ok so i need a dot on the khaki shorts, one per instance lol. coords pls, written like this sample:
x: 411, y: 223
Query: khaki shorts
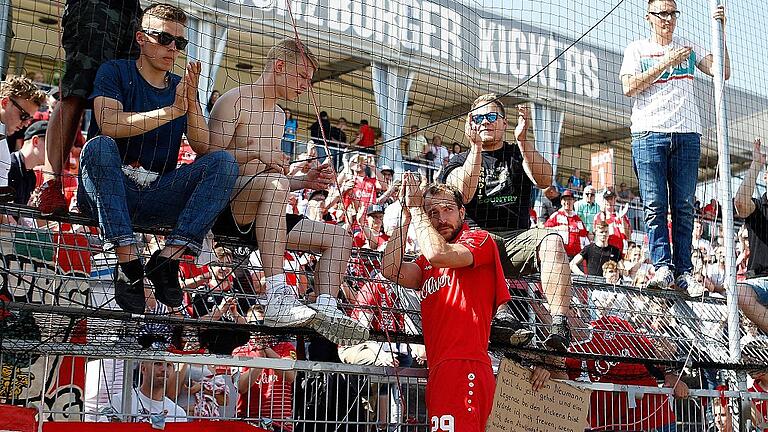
x: 518, y: 250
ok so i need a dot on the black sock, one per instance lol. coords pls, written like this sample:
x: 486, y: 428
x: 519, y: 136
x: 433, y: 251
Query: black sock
x: 134, y: 271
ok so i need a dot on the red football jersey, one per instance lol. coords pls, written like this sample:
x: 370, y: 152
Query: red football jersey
x: 457, y: 305
x: 616, y: 237
x: 577, y: 231
x: 269, y: 396
x: 380, y: 300
x: 760, y: 406
x: 609, y: 410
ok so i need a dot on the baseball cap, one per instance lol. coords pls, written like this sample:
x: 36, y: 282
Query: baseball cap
x: 36, y: 129
x: 387, y: 168
x: 589, y: 189
x: 375, y: 208
x: 567, y: 194
x: 317, y: 192
x: 609, y: 194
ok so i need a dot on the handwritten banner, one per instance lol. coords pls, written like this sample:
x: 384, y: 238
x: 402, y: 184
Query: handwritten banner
x: 516, y: 408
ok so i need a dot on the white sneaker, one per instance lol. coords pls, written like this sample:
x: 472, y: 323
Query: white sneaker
x: 336, y: 326
x: 285, y: 310
x: 688, y: 283
x: 663, y: 278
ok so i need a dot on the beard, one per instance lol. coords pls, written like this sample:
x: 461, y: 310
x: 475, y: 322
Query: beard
x: 454, y: 231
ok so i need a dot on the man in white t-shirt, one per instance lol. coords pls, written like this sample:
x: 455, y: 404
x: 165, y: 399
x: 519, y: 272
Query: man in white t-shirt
x: 148, y: 402
x: 666, y: 136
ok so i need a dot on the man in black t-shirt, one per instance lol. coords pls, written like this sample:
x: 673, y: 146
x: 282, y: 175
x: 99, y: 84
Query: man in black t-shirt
x: 753, y: 293
x: 21, y: 176
x: 496, y: 179
x: 596, y: 254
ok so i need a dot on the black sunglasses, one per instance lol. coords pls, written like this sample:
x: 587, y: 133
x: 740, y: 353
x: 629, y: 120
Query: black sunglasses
x: 165, y: 38
x: 23, y: 114
x: 491, y: 116
x: 666, y: 15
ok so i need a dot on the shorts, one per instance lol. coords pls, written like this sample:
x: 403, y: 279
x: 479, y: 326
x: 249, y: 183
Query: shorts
x: 226, y: 226
x: 94, y: 33
x: 760, y: 286
x: 518, y: 250
x: 460, y: 395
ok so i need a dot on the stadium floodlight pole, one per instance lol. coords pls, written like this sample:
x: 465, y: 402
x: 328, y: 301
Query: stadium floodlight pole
x: 725, y: 192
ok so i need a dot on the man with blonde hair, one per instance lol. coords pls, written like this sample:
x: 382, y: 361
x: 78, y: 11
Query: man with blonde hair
x: 19, y: 100
x: 247, y: 122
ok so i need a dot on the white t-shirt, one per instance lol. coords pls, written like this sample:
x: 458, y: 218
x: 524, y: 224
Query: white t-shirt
x: 440, y: 153
x: 668, y: 105
x: 5, y: 158
x: 142, y: 407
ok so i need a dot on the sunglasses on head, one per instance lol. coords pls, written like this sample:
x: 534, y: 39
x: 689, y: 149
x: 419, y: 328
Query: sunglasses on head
x: 491, y: 116
x: 165, y: 38
x: 23, y: 114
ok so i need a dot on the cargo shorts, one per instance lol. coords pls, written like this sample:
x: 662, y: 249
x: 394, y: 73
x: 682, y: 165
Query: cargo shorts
x: 518, y: 250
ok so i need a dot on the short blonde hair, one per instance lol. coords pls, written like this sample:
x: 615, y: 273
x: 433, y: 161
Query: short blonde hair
x: 22, y: 88
x: 290, y: 50
x: 490, y: 98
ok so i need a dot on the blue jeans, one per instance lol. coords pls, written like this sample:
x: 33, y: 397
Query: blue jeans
x: 189, y: 198
x: 667, y: 166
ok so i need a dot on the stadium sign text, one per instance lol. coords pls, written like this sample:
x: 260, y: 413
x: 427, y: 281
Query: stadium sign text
x: 447, y: 32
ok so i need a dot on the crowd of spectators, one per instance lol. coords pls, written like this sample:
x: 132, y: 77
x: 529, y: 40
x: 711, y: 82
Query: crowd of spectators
x: 364, y: 200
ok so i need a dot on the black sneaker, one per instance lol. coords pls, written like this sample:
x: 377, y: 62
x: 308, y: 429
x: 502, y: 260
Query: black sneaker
x: 559, y: 334
x: 129, y: 296
x: 164, y: 275
x: 505, y: 328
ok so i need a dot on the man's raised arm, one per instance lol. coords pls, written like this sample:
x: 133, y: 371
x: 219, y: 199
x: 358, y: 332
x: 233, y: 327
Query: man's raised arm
x: 393, y: 267
x: 743, y: 201
x: 538, y: 169
x: 466, y: 177
x: 197, y: 129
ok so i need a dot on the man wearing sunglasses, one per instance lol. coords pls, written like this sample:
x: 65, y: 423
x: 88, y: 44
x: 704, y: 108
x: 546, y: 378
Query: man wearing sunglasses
x: 128, y: 170
x: 19, y: 99
x: 93, y: 32
x: 658, y: 73
x: 497, y: 179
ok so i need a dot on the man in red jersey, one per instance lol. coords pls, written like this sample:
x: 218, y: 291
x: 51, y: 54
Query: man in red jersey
x: 461, y: 285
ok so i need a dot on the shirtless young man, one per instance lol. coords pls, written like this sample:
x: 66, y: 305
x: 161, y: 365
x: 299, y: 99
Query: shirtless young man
x: 247, y: 122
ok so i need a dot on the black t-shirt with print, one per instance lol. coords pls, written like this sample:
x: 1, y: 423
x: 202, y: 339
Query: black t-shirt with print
x: 596, y: 256
x: 503, y: 197
x: 757, y: 229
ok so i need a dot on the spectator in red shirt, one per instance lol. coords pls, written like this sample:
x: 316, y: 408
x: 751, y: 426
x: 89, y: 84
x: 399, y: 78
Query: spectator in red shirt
x: 359, y: 183
x: 366, y: 138
x: 619, y: 229
x: 613, y: 411
x: 266, y: 393
x: 461, y: 284
x: 569, y: 224
x: 709, y: 212
x: 369, y: 234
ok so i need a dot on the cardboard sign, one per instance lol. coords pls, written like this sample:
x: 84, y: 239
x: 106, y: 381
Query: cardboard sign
x: 516, y: 408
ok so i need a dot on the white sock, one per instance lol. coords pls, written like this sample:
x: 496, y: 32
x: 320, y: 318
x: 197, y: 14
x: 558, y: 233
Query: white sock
x: 275, y: 285
x: 327, y: 300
